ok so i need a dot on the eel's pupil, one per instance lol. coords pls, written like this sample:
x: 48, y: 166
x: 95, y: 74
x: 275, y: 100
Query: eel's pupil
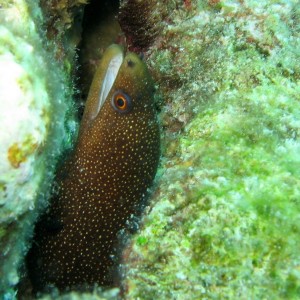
x: 120, y: 102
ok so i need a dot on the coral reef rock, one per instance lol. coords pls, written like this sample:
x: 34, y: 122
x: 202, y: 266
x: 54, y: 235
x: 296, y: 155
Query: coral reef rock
x: 224, y: 219
x: 35, y: 98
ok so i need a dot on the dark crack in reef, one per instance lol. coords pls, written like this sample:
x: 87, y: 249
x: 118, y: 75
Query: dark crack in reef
x: 103, y: 186
x: 100, y: 30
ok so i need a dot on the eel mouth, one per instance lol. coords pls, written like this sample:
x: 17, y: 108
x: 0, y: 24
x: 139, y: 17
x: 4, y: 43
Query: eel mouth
x: 111, y: 74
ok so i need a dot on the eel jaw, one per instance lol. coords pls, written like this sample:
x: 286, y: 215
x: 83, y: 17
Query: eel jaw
x: 109, y: 79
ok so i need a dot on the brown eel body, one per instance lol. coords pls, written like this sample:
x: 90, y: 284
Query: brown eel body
x: 104, y: 183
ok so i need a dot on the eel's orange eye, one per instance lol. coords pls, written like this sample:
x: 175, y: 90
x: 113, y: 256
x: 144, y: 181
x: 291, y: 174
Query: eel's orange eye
x: 121, y: 102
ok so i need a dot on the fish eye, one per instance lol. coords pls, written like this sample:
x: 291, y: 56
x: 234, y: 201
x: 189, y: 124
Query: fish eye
x: 121, y: 102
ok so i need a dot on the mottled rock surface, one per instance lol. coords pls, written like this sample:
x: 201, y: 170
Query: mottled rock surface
x: 35, y: 98
x: 224, y: 219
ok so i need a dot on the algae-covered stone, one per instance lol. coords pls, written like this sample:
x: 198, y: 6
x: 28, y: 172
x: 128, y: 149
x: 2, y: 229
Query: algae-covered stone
x: 35, y: 97
x: 224, y: 223
x: 96, y: 294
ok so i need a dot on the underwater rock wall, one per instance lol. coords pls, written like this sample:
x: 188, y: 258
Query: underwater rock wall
x: 62, y: 23
x: 36, y: 121
x: 224, y: 219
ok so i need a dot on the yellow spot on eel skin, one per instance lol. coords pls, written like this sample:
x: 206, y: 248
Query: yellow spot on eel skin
x: 105, y: 181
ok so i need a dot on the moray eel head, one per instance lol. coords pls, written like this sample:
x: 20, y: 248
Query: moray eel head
x: 122, y: 84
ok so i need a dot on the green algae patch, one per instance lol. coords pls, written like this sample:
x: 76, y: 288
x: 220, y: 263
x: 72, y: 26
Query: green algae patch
x: 232, y: 224
x: 224, y: 222
x: 252, y: 224
x: 35, y: 116
x: 224, y: 218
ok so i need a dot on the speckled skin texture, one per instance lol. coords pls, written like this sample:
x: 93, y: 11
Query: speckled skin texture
x: 101, y: 187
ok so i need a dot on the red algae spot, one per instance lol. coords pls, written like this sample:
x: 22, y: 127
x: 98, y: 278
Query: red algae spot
x: 187, y: 4
x: 213, y: 2
x: 18, y: 153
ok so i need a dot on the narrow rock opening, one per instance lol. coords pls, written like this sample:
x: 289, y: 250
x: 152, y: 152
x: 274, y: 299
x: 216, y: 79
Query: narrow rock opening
x: 100, y: 28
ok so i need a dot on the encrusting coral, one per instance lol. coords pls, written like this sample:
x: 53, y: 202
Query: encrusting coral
x: 62, y: 24
x: 224, y: 221
x: 35, y: 109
